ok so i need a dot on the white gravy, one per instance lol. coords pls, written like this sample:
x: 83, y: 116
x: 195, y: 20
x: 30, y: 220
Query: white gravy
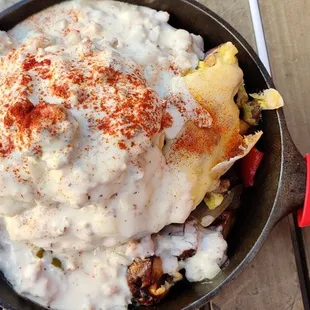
x: 83, y: 90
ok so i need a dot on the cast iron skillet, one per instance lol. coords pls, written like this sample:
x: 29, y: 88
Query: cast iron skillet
x: 280, y: 183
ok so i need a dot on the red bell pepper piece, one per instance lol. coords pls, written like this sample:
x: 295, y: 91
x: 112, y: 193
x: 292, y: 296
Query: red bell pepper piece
x: 249, y: 166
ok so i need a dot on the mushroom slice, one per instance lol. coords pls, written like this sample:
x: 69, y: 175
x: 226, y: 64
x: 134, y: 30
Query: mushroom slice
x: 147, y: 282
x: 226, y: 221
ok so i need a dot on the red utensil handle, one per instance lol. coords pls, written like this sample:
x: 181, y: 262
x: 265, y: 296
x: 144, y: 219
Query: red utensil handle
x: 304, y: 214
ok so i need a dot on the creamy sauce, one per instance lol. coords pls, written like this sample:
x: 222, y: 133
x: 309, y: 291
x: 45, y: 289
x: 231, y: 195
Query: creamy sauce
x: 97, y: 279
x: 100, y: 157
x: 88, y: 89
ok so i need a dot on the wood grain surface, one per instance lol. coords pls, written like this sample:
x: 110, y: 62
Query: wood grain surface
x: 271, y: 281
x: 287, y: 27
x: 235, y: 12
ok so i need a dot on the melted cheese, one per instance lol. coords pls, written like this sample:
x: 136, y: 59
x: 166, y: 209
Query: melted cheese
x: 205, y: 154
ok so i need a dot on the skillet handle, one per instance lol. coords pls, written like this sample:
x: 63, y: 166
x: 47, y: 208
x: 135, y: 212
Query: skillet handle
x: 304, y: 214
x: 293, y: 180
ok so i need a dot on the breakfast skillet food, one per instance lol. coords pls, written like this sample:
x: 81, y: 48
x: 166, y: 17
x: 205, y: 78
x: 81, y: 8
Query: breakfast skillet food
x: 114, y: 127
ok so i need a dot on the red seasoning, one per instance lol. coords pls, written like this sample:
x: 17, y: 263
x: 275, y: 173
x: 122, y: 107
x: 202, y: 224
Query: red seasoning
x: 122, y: 145
x: 167, y: 120
x: 124, y: 105
x: 31, y: 63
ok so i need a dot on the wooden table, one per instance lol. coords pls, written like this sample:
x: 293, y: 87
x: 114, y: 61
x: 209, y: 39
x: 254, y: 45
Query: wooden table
x: 271, y: 281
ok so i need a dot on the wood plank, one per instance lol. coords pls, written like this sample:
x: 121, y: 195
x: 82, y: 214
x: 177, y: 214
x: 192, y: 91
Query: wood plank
x: 236, y: 13
x: 287, y: 27
x: 271, y: 281
x: 287, y: 31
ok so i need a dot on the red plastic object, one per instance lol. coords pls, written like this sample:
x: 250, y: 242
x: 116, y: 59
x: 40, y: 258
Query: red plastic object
x: 304, y: 214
